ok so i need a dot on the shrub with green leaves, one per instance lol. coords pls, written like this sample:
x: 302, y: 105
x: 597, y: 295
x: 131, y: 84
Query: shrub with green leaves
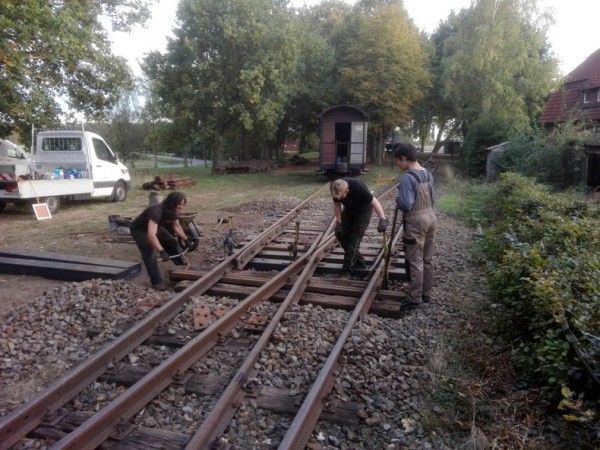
x: 555, y: 158
x: 543, y: 250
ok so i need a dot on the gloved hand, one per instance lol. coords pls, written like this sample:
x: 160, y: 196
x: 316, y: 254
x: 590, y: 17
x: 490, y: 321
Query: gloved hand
x: 382, y: 225
x: 338, y: 227
x: 187, y: 244
x: 164, y: 255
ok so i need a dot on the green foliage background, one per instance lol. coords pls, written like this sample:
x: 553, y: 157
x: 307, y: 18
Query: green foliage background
x: 543, y: 249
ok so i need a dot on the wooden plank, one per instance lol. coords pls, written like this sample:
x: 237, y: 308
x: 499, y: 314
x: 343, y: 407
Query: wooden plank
x: 65, y: 271
x: 278, y: 400
x: 60, y: 257
x: 140, y: 438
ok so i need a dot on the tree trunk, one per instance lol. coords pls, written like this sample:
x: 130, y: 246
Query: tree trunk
x: 245, y: 144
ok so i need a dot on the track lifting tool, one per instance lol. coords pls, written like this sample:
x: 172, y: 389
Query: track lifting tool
x: 293, y: 246
x: 229, y: 243
x: 387, y: 250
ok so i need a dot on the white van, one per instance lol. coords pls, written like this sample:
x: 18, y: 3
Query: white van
x: 14, y: 162
x: 66, y: 165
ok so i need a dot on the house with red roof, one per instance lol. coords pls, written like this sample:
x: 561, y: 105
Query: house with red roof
x: 579, y: 97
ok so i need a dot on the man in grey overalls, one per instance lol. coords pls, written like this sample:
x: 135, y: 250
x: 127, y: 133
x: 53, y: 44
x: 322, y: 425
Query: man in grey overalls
x: 415, y: 199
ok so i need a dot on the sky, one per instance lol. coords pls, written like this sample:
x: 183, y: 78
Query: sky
x: 573, y: 37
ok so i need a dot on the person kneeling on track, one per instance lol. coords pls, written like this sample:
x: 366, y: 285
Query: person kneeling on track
x: 157, y: 229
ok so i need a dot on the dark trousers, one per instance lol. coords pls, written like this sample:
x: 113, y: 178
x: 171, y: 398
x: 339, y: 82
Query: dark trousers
x: 354, y: 226
x: 149, y: 256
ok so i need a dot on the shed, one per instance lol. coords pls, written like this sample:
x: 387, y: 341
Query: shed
x: 494, y: 154
x: 343, y: 135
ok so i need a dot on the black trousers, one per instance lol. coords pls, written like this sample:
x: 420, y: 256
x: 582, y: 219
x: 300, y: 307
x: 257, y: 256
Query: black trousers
x: 354, y: 226
x: 169, y: 243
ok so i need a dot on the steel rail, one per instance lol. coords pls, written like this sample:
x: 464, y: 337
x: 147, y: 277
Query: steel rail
x: 16, y: 425
x: 308, y: 415
x: 101, y: 425
x: 28, y: 416
x: 249, y: 251
x: 215, y: 423
x: 222, y: 412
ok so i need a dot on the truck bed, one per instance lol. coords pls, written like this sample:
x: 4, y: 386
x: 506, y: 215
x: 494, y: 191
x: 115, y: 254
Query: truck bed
x: 46, y: 188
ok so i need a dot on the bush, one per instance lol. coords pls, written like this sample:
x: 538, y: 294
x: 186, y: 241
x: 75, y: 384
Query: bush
x: 543, y: 251
x: 554, y: 158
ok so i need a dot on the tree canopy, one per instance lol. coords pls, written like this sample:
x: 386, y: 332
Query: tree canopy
x: 230, y: 71
x: 55, y: 53
x: 239, y: 76
x: 384, y: 68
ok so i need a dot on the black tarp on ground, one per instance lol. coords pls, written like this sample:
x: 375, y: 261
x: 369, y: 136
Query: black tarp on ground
x: 58, y: 266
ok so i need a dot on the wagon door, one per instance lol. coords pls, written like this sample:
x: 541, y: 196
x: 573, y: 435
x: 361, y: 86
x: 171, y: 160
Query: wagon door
x: 357, y: 144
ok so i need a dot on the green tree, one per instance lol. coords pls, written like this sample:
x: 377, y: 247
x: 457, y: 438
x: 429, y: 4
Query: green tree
x: 435, y: 111
x: 125, y: 131
x: 55, y: 53
x: 229, y: 72
x: 384, y: 68
x: 317, y: 81
x: 497, y: 71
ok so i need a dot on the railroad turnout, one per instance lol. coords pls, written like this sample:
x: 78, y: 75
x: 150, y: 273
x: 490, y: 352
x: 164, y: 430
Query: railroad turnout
x: 217, y: 348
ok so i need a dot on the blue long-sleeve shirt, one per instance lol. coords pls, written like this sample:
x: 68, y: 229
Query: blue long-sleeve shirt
x: 407, y: 190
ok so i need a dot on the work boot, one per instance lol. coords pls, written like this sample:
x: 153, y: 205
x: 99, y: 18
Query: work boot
x: 409, y: 303
x: 361, y: 265
x: 162, y: 286
x: 346, y: 271
x: 426, y: 299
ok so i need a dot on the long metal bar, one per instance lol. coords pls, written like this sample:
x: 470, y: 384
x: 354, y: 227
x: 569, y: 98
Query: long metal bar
x: 304, y: 423
x: 28, y: 416
x: 217, y: 420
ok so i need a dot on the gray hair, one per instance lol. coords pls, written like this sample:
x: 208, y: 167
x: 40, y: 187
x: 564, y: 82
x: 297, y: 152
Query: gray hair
x: 337, y: 188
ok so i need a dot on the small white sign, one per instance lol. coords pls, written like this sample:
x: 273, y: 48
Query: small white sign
x: 42, y: 212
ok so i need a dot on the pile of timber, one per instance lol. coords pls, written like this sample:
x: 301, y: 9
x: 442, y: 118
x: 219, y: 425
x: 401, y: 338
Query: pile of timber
x: 253, y: 166
x: 57, y: 266
x: 170, y: 182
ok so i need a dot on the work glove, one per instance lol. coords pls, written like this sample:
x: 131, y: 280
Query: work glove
x: 187, y: 244
x: 164, y: 255
x: 382, y: 225
x: 338, y: 227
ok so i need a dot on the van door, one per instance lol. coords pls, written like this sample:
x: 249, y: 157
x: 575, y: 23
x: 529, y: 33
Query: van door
x: 106, y: 171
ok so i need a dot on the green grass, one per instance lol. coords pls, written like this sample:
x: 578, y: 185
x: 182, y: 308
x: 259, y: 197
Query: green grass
x: 226, y: 191
x: 464, y: 200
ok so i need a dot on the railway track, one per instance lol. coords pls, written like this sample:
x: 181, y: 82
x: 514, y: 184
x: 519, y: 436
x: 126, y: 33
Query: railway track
x: 206, y: 348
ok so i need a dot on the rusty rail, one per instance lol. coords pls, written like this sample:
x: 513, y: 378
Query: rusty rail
x: 113, y: 417
x: 28, y: 416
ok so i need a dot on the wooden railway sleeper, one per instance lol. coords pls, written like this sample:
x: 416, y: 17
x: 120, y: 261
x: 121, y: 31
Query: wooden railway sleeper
x: 51, y: 418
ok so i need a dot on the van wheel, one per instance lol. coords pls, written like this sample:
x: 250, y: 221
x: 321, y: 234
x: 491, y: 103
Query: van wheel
x: 119, y: 192
x: 2, y: 205
x: 53, y: 204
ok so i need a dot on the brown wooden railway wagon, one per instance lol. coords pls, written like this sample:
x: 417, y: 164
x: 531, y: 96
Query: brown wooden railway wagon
x: 343, y: 133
